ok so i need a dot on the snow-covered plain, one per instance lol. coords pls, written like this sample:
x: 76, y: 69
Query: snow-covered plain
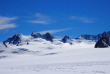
x: 45, y: 57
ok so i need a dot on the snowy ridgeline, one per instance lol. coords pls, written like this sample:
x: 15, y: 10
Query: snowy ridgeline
x: 28, y: 44
x: 41, y: 44
x: 36, y: 55
x: 18, y: 39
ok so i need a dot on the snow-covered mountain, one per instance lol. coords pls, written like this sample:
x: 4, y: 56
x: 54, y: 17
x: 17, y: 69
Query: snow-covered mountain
x: 67, y: 39
x: 19, y: 39
x: 94, y: 37
x: 46, y: 36
x: 45, y: 54
x: 38, y: 42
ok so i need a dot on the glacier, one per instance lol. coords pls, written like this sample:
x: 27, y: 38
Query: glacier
x: 31, y: 55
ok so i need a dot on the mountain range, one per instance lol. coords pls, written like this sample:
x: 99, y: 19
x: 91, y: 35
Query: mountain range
x: 94, y: 37
x: 17, y: 38
x: 45, y: 53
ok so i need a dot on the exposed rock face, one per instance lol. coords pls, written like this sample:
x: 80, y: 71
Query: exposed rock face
x: 94, y: 37
x: 106, y: 34
x: 4, y: 43
x: 66, y: 39
x: 36, y: 35
x: 48, y: 36
x: 16, y: 39
x: 103, y: 42
x: 89, y: 37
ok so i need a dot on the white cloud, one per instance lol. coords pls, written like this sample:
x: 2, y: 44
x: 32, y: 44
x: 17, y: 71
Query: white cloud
x: 41, y: 16
x: 54, y: 31
x: 41, y: 19
x: 5, y: 22
x: 82, y: 19
x: 39, y: 22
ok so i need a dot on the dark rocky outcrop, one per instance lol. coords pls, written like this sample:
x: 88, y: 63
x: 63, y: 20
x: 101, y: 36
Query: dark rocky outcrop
x: 103, y: 42
x: 94, y: 37
x: 67, y: 39
x: 4, y: 43
x: 16, y: 39
x: 89, y: 37
x: 36, y: 35
x: 48, y: 37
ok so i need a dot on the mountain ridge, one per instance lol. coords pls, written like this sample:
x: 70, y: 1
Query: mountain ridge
x: 17, y: 38
x: 94, y: 37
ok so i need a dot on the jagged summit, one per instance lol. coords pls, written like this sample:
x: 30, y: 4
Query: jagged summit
x: 36, y: 35
x: 103, y: 42
x: 89, y: 37
x: 106, y: 34
x: 48, y: 36
x: 16, y: 39
x: 94, y: 37
x: 66, y: 39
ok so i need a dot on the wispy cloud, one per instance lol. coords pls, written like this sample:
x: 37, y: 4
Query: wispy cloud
x: 41, y: 19
x: 6, y: 22
x: 82, y: 19
x: 54, y: 31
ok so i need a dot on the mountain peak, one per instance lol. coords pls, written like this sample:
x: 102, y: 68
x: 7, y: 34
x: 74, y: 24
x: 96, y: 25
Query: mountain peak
x: 66, y: 39
x: 48, y: 36
x: 16, y: 39
x: 36, y: 35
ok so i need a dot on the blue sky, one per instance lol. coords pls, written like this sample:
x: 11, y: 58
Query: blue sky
x: 59, y: 17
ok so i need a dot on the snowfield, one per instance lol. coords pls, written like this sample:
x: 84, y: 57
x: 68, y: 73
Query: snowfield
x: 44, y: 57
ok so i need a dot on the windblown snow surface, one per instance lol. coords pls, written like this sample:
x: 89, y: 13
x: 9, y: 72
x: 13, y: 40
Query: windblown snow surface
x: 45, y: 57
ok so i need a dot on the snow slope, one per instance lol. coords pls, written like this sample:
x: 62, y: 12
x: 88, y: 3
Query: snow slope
x: 45, y: 57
